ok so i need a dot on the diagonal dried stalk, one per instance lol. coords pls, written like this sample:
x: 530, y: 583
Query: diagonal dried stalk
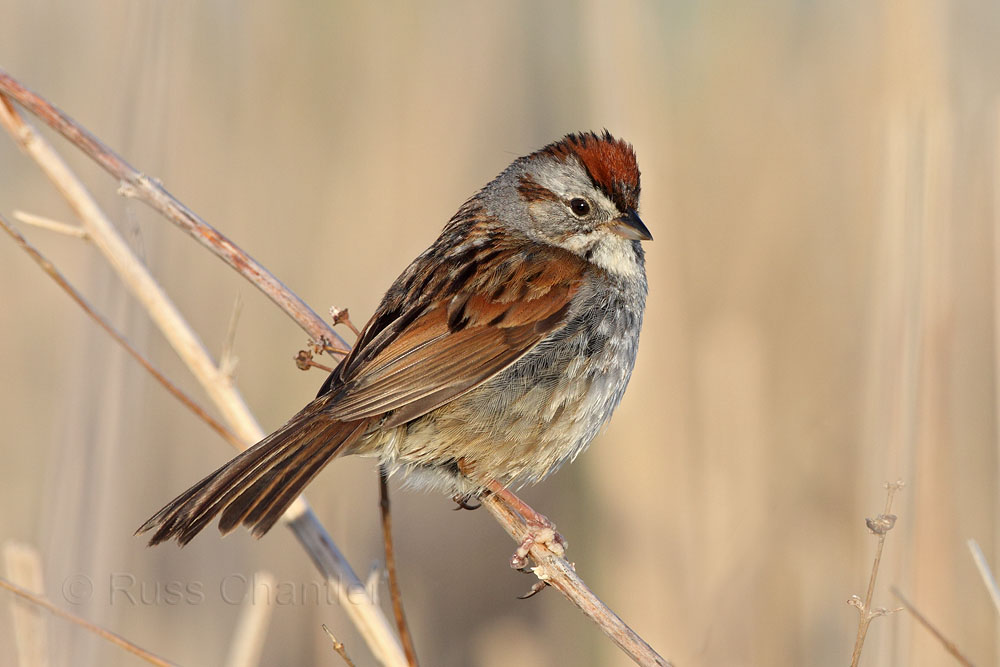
x: 366, y: 615
x: 140, y: 186
x: 945, y: 642
x: 989, y: 581
x: 551, y: 568
x: 117, y: 640
x: 174, y: 390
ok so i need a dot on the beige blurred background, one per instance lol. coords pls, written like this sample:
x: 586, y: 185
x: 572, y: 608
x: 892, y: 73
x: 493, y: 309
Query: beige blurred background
x: 821, y: 182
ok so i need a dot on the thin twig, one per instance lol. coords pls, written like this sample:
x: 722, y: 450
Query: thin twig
x: 390, y: 566
x: 353, y: 597
x: 148, y: 190
x: 134, y: 275
x: 174, y: 390
x: 985, y: 572
x: 338, y: 646
x: 947, y: 643
x: 343, y: 316
x: 304, y: 361
x: 115, y: 639
x: 364, y: 613
x: 40, y: 221
x: 879, y: 526
x: 556, y: 571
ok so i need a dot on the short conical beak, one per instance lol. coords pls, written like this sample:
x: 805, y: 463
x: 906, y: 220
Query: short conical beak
x: 629, y: 226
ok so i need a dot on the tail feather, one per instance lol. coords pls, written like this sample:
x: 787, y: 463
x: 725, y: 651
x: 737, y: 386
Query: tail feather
x: 263, y: 503
x: 187, y: 514
x: 256, y: 487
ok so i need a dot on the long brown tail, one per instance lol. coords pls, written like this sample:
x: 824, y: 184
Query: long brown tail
x: 256, y: 487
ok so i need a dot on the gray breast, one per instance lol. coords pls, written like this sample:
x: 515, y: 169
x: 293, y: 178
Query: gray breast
x: 550, y: 404
x: 543, y: 410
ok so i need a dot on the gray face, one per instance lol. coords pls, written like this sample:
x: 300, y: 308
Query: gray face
x: 578, y: 207
x: 564, y: 209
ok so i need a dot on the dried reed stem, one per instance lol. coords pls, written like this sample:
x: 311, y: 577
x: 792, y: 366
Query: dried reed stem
x: 107, y: 635
x: 174, y: 390
x: 879, y: 526
x: 390, y: 566
x: 138, y: 185
x: 364, y: 613
x: 338, y: 646
x: 134, y: 274
x: 40, y: 221
x: 985, y: 572
x: 945, y: 642
x: 557, y: 572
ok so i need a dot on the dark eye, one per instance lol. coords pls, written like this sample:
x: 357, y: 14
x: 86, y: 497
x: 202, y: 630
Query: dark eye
x: 579, y: 206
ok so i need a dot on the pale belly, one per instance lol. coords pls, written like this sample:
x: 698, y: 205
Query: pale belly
x: 524, y: 423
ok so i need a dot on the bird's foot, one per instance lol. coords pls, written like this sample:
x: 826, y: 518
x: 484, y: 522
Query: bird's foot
x: 539, y: 533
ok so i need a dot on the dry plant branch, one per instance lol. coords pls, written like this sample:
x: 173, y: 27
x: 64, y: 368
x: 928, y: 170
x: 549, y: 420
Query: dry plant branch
x: 174, y: 390
x: 40, y: 221
x: 878, y: 526
x: 556, y: 571
x: 138, y: 185
x: 304, y: 361
x: 364, y: 613
x: 343, y: 316
x: 338, y: 646
x: 107, y: 635
x: 985, y: 572
x: 390, y: 566
x: 133, y: 273
x: 550, y: 567
x: 947, y: 643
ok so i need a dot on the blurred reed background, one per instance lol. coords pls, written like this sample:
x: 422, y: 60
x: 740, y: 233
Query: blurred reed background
x: 821, y: 179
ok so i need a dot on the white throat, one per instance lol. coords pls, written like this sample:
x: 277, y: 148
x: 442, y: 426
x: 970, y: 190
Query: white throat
x: 608, y: 251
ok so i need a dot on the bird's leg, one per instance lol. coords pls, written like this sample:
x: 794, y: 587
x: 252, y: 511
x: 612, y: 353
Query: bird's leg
x: 540, y: 529
x: 529, y: 514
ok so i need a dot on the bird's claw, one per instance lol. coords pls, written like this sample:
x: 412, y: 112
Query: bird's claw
x: 536, y: 588
x: 466, y: 501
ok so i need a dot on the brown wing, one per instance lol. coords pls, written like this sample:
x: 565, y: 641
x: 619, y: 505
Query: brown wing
x: 476, y: 316
x: 434, y: 337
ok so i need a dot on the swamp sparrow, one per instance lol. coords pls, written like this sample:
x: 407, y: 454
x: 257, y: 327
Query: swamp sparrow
x: 493, y: 359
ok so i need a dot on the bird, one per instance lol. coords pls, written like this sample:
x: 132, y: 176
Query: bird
x: 493, y: 359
